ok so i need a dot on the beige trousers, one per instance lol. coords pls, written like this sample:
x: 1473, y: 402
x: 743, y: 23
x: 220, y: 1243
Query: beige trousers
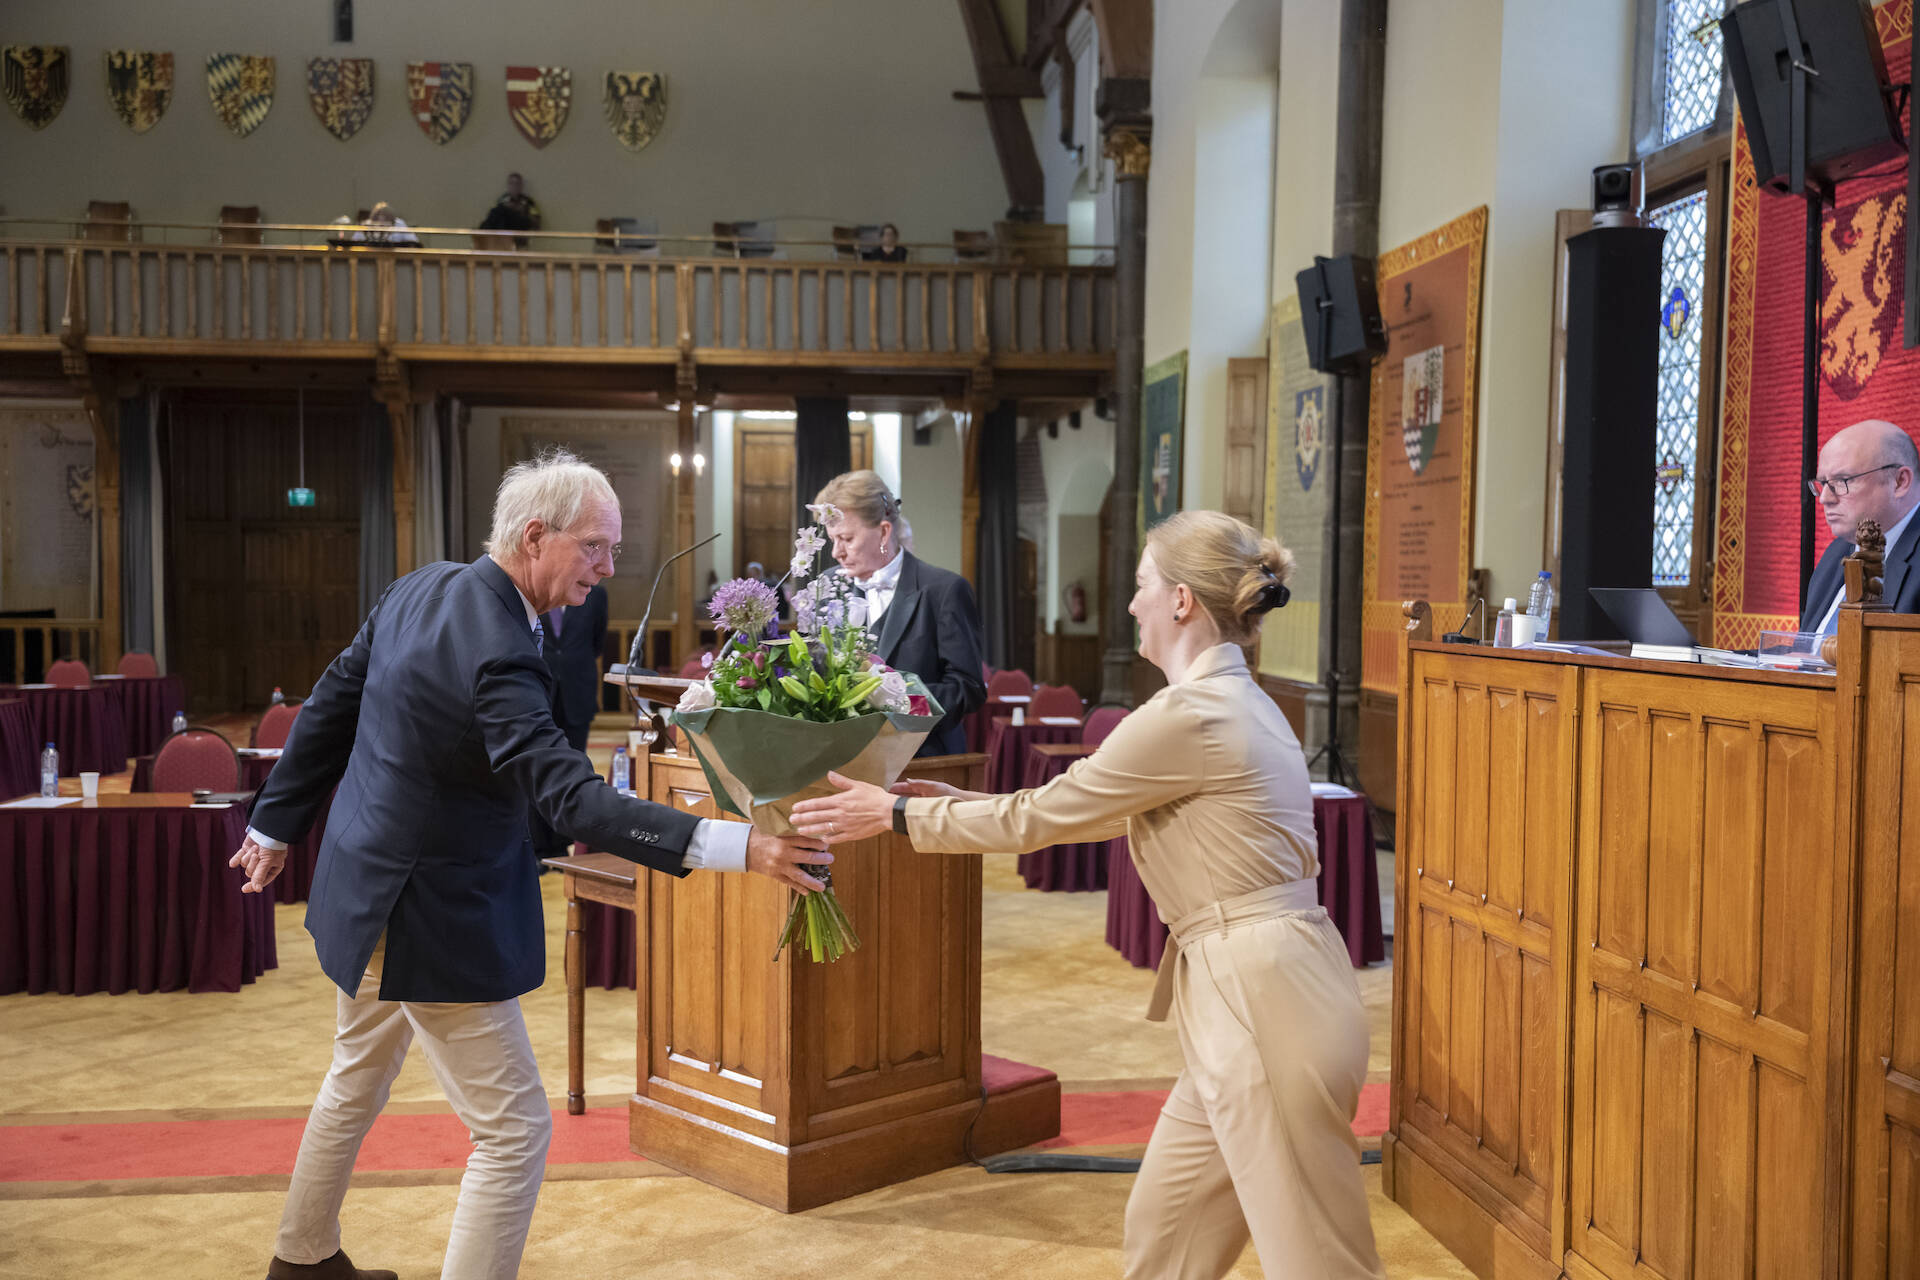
x: 1256, y: 1139
x: 484, y: 1062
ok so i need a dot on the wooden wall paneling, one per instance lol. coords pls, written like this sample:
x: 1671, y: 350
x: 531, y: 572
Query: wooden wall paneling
x: 1700, y: 1076
x: 1486, y: 839
x: 1375, y: 753
x: 1883, y: 1233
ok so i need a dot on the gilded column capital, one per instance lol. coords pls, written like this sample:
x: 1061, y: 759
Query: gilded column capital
x: 1128, y: 150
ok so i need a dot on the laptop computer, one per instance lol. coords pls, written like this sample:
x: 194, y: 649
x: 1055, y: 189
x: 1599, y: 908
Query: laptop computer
x: 1644, y: 618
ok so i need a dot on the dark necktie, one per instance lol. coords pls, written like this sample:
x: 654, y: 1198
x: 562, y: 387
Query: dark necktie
x: 553, y: 623
x: 539, y: 635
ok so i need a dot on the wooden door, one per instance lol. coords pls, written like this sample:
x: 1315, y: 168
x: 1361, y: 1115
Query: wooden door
x: 1246, y: 474
x: 262, y: 594
x: 1701, y: 1093
x: 763, y: 495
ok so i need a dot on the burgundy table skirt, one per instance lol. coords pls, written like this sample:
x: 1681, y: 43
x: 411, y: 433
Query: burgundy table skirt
x: 147, y: 706
x: 1007, y: 745
x: 19, y: 750
x: 85, y: 724
x: 1063, y: 868
x: 128, y: 899
x: 1349, y: 889
x: 979, y: 723
x: 295, y: 883
x: 608, y: 943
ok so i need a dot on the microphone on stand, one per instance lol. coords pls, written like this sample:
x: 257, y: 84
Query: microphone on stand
x: 639, y: 637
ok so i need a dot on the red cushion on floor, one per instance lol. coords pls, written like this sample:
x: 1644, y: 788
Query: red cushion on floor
x: 1003, y: 1075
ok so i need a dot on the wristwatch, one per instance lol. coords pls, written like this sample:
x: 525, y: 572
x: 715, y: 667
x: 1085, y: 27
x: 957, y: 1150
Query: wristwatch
x: 900, y: 814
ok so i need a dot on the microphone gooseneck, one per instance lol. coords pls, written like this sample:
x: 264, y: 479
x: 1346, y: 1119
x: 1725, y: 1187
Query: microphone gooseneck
x: 639, y: 637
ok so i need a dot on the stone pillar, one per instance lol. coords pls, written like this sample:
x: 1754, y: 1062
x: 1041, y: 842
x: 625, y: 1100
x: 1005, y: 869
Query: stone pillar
x: 1123, y: 112
x: 1356, y: 230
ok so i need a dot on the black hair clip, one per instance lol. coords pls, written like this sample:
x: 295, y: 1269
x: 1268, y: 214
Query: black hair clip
x: 1275, y: 595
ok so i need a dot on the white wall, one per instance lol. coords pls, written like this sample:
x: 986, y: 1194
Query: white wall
x: 831, y: 113
x: 930, y: 490
x: 888, y: 428
x: 1078, y: 467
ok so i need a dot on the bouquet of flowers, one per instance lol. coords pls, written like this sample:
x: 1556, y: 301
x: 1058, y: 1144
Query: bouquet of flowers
x: 775, y: 713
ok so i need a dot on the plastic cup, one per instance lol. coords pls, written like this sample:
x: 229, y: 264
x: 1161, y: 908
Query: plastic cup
x: 1526, y: 629
x: 1019, y: 715
x: 90, y: 786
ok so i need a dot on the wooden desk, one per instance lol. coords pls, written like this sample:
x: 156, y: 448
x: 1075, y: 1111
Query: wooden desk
x: 587, y: 877
x: 1650, y: 1018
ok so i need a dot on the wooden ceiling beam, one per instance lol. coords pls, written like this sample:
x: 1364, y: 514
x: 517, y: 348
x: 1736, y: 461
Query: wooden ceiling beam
x: 1126, y: 38
x: 994, y: 64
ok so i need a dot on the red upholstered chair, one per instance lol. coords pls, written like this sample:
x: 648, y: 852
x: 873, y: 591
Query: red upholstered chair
x: 1102, y: 722
x: 194, y: 759
x: 138, y: 665
x: 1017, y: 684
x: 693, y: 669
x: 1056, y: 700
x: 274, y: 726
x: 69, y: 673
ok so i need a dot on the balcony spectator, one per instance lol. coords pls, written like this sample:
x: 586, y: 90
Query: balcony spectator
x: 385, y: 227
x: 515, y: 210
x: 889, y: 249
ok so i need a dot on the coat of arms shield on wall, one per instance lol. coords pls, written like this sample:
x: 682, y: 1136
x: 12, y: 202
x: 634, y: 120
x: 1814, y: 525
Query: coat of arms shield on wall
x: 636, y: 106
x: 1421, y: 397
x: 35, y: 77
x: 441, y: 96
x: 241, y: 85
x: 1309, y: 424
x: 341, y: 91
x: 538, y: 99
x: 140, y: 86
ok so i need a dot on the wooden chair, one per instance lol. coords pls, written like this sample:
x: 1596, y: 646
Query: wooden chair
x: 628, y: 235
x: 196, y: 759
x: 846, y: 244
x: 492, y: 243
x: 749, y: 239
x: 239, y: 224
x: 1032, y: 244
x: 973, y: 246
x: 69, y: 673
x: 109, y: 220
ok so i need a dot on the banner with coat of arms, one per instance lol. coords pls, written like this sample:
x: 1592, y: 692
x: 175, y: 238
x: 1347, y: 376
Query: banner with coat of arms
x: 538, y: 99
x: 241, y: 85
x: 35, y: 80
x: 140, y: 86
x: 1420, y: 439
x: 341, y: 91
x: 636, y: 106
x: 1300, y: 471
x: 441, y: 96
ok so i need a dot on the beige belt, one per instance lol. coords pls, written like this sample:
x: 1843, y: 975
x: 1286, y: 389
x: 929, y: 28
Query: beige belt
x: 1269, y: 903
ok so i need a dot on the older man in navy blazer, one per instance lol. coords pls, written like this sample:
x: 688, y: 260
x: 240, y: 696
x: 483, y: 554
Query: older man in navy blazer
x: 436, y: 727
x: 1868, y: 471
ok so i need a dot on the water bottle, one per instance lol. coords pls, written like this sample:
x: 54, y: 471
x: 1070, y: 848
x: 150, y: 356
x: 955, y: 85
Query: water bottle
x: 1540, y: 601
x: 278, y: 697
x: 179, y: 721
x: 1503, y: 625
x: 621, y: 778
x: 50, y: 771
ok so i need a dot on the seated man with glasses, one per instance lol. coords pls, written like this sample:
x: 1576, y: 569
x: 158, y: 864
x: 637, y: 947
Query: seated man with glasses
x: 1869, y: 471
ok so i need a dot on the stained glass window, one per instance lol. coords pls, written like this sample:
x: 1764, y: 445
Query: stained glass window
x: 1690, y: 85
x: 1683, y: 278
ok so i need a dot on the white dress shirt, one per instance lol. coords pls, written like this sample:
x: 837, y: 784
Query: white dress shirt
x: 715, y: 846
x: 1830, y: 625
x: 881, y: 586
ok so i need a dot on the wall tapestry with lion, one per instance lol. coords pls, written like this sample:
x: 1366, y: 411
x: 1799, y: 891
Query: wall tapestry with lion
x: 1865, y: 372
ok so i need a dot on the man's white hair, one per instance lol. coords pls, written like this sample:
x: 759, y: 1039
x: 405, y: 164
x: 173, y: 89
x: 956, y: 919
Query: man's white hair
x: 554, y: 487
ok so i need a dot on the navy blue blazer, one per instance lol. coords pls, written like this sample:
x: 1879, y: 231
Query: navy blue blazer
x: 436, y: 725
x: 1900, y: 573
x: 932, y: 628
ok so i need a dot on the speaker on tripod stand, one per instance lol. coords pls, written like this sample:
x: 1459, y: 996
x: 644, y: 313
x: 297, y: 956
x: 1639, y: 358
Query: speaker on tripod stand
x: 1340, y: 319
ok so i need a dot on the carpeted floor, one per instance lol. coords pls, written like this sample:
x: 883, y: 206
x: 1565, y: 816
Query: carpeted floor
x: 149, y: 1136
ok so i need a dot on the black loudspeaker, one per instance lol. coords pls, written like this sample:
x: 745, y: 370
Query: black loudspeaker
x: 1851, y: 125
x: 1340, y: 314
x: 1612, y: 391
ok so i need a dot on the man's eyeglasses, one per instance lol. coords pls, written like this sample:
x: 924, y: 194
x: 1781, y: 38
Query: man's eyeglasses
x: 596, y: 547
x: 1839, y: 483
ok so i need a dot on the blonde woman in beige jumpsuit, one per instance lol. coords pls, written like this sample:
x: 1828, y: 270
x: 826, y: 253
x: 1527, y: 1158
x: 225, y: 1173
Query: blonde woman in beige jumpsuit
x: 1208, y: 783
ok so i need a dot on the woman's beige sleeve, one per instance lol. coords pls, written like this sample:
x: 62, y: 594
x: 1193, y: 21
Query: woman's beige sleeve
x: 1153, y: 757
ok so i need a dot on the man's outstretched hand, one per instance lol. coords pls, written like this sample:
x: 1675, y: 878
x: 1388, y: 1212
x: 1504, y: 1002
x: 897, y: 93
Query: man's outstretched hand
x: 261, y: 865
x: 783, y: 857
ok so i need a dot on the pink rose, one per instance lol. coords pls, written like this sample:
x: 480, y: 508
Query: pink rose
x: 918, y: 705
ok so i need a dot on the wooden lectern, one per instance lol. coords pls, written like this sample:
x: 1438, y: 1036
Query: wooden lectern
x: 793, y: 1083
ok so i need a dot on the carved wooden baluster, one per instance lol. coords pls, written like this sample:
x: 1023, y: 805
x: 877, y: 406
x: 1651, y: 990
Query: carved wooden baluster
x: 953, y: 318
x: 926, y: 311
x: 549, y: 334
x: 419, y: 301
x: 520, y: 289
x: 495, y: 269
x: 353, y: 301
x: 164, y: 270
x: 445, y: 322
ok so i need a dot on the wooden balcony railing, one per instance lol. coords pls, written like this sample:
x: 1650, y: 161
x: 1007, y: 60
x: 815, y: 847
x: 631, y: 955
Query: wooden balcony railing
x: 427, y: 304
x: 28, y: 646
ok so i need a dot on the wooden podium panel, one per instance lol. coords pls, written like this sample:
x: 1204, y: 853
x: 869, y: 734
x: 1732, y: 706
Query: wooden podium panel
x: 794, y: 1083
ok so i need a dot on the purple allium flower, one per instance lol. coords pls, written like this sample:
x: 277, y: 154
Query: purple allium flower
x: 744, y: 604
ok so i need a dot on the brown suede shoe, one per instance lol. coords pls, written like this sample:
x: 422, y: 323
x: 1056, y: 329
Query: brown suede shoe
x: 338, y: 1267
